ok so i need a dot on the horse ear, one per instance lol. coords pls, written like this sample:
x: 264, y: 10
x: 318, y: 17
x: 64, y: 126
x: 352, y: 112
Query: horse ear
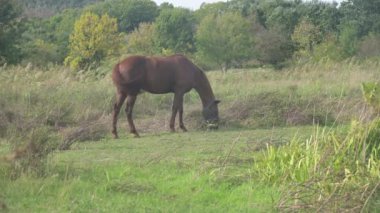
x: 217, y: 101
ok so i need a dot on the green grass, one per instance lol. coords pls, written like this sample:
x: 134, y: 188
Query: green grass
x: 180, y: 172
x: 269, y: 122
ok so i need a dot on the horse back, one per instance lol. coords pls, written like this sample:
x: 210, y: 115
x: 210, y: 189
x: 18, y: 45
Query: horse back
x: 155, y: 74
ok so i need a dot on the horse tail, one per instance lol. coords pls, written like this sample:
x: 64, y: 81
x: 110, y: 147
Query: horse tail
x: 116, y: 75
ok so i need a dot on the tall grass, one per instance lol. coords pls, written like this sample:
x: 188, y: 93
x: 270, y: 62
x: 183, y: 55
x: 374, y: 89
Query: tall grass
x: 331, y: 171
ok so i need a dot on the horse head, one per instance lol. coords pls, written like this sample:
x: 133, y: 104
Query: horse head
x: 211, y: 114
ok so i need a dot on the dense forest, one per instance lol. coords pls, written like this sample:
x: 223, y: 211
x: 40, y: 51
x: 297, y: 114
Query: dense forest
x: 239, y: 33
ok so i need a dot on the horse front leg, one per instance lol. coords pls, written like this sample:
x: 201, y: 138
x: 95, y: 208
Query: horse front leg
x: 181, y: 125
x: 130, y: 103
x: 120, y: 98
x: 174, y: 111
x: 172, y: 119
x: 180, y: 112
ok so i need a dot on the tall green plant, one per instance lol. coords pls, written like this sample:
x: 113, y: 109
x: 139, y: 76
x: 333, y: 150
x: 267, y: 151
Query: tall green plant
x: 371, y: 94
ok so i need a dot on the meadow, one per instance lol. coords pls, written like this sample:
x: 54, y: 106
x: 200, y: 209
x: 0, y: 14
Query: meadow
x: 298, y: 139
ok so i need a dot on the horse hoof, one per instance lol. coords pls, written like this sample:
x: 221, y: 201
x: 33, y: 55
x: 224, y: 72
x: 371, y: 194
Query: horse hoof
x: 135, y: 134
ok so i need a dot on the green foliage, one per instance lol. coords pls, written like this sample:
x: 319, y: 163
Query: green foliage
x: 47, y: 40
x: 175, y: 30
x: 348, y: 40
x: 371, y: 94
x: 306, y: 36
x: 274, y: 46
x: 59, y: 28
x: 279, y: 14
x: 48, y: 8
x: 328, y: 49
x: 372, y: 145
x: 93, y: 39
x: 129, y: 13
x: 324, y: 15
x: 10, y: 30
x: 141, y: 40
x: 224, y: 39
x: 364, y: 13
x: 209, y: 9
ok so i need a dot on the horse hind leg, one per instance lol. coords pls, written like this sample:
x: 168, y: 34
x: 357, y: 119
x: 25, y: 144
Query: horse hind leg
x: 131, y: 99
x: 181, y: 125
x: 177, y: 107
x: 120, y: 98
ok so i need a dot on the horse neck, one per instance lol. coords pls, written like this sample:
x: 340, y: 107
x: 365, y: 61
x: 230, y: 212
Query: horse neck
x: 202, y: 86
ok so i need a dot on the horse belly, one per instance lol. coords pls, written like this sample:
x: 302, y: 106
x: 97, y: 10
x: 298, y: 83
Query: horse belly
x: 158, y: 87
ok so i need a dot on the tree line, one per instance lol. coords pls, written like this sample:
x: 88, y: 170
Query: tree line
x: 238, y: 33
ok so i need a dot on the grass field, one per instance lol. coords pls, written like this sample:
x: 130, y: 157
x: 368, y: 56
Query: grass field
x: 191, y: 172
x: 281, y: 132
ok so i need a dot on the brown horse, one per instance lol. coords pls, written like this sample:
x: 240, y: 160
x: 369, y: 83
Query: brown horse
x: 158, y: 75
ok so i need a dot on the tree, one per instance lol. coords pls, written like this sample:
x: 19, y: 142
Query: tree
x: 275, y: 47
x: 363, y: 13
x: 279, y: 14
x: 9, y: 31
x: 323, y: 15
x: 129, y: 13
x: 141, y: 40
x: 93, y: 39
x: 349, y: 39
x: 224, y: 39
x: 210, y: 8
x: 48, y: 8
x: 175, y: 30
x: 47, y: 40
x: 306, y: 35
